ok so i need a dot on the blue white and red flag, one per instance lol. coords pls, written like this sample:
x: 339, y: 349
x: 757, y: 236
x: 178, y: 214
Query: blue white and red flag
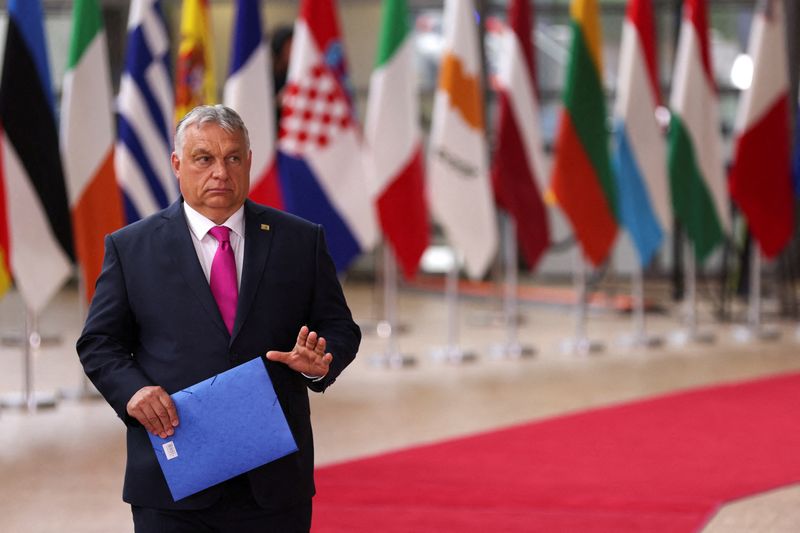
x: 249, y: 92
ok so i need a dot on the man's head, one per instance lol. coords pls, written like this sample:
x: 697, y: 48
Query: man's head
x: 212, y: 161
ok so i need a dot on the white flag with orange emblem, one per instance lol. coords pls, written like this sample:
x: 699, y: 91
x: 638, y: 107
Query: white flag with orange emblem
x: 458, y: 170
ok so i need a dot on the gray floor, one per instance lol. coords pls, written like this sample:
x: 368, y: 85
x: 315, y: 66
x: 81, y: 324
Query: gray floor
x: 60, y: 469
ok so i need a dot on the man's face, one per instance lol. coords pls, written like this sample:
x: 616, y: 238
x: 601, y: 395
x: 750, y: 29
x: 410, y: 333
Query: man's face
x: 213, y: 170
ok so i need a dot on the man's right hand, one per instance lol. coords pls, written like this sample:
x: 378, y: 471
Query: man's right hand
x: 153, y: 408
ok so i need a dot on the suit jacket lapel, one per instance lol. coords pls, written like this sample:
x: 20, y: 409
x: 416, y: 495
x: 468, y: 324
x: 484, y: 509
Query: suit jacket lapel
x: 179, y: 246
x: 257, y: 242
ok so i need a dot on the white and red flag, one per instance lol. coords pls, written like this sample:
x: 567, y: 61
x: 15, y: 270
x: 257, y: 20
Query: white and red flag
x: 760, y: 178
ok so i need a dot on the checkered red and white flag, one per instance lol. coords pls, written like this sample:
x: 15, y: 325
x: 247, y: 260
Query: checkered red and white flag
x: 320, y: 158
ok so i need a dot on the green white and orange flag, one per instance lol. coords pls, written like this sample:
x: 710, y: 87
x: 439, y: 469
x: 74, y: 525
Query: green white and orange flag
x: 582, y: 181
x: 87, y: 141
x: 696, y: 169
x: 458, y: 171
x: 194, y: 77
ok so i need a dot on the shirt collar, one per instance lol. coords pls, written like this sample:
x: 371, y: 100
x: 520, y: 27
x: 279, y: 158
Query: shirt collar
x: 199, y: 225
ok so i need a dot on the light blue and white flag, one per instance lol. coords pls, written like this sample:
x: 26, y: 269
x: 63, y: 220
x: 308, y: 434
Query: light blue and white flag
x: 640, y: 152
x: 145, y: 107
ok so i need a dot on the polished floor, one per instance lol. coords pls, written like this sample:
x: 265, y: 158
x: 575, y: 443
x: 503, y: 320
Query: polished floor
x: 61, y: 468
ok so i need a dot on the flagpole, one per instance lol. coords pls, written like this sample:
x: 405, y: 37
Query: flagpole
x: 639, y: 337
x: 580, y: 344
x: 755, y: 329
x: 691, y: 331
x: 29, y: 398
x: 85, y: 390
x: 452, y: 352
x: 511, y: 348
x: 387, y: 328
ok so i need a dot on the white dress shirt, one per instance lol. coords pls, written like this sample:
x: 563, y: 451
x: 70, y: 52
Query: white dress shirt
x: 206, y: 245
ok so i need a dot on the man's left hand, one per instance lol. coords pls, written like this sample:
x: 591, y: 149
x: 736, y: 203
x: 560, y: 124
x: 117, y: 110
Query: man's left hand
x: 308, y: 355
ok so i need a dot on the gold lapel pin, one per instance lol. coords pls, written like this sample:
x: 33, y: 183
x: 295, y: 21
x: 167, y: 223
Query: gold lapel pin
x: 264, y: 227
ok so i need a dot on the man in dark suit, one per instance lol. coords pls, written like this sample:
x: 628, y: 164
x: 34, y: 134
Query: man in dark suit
x: 157, y: 325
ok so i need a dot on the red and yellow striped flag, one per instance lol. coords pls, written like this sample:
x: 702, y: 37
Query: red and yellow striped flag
x: 194, y: 84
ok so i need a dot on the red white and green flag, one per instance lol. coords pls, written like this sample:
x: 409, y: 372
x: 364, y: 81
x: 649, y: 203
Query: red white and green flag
x: 760, y: 178
x: 582, y: 180
x: 696, y: 171
x: 519, y: 160
x: 87, y: 141
x: 394, y: 142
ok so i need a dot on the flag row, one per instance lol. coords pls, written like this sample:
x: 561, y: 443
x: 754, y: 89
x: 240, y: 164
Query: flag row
x: 67, y: 181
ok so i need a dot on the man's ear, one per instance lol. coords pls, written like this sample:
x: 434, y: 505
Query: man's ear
x: 176, y: 165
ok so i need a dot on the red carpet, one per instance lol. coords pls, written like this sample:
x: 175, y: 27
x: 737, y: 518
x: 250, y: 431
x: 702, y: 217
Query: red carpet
x: 660, y: 465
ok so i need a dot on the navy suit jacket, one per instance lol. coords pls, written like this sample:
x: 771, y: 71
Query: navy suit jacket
x: 154, y: 321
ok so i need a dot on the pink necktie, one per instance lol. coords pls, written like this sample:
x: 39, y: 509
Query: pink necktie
x: 223, y: 276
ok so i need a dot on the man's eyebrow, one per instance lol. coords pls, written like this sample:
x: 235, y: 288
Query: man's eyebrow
x: 199, y: 150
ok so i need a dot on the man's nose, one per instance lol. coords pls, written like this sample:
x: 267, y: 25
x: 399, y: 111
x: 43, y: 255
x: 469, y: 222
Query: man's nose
x: 219, y: 170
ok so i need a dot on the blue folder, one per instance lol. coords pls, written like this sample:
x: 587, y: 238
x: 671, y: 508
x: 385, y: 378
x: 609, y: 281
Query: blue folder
x: 229, y: 424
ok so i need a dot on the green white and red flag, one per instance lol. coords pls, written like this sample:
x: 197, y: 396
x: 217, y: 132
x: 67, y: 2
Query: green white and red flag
x: 393, y: 142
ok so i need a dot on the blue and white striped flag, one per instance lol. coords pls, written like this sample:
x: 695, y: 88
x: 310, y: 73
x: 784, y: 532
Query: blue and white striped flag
x: 145, y: 108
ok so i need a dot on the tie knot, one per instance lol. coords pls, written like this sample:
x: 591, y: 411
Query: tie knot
x: 221, y: 233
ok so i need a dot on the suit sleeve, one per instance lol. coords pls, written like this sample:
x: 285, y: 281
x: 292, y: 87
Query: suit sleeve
x: 108, y: 340
x: 330, y: 316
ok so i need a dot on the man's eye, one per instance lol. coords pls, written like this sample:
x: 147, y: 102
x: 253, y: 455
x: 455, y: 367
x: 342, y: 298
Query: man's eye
x: 234, y: 159
x: 202, y: 159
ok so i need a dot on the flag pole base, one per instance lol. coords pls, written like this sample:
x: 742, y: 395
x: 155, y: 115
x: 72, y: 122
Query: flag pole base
x: 392, y: 360
x: 31, y: 402
x: 682, y: 337
x: 16, y: 340
x: 84, y: 391
x: 511, y: 350
x: 640, y: 340
x: 581, y: 346
x: 747, y: 334
x: 453, y: 355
